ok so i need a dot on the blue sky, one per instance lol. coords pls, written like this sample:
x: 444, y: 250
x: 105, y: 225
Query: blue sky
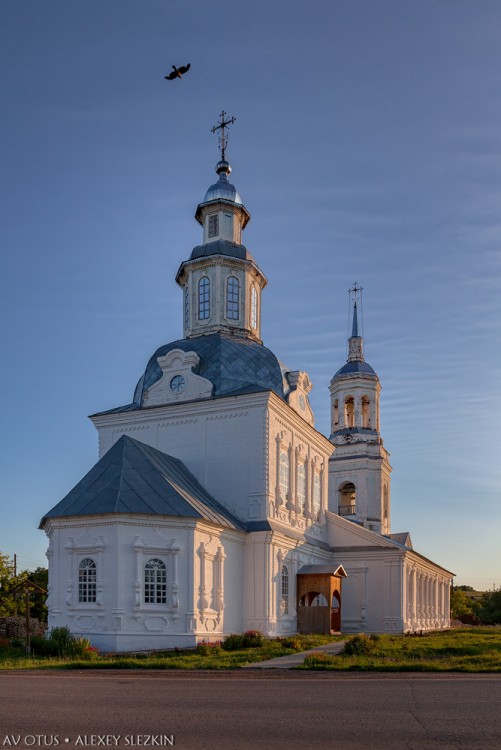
x: 367, y: 148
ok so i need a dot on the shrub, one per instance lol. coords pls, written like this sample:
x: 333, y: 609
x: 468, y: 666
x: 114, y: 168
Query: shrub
x: 233, y: 642
x: 62, y: 640
x: 15, y: 627
x: 208, y: 648
x: 253, y: 639
x: 361, y: 645
x: 43, y: 647
x: 80, y: 646
x: 64, y: 643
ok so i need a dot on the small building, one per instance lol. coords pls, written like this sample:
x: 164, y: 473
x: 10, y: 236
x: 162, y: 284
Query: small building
x: 215, y: 505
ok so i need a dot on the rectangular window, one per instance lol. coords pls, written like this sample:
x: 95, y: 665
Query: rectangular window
x: 203, y: 298
x: 232, y: 298
x: 228, y: 226
x: 213, y: 225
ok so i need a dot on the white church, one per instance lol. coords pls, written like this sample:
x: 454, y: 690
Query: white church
x: 215, y: 506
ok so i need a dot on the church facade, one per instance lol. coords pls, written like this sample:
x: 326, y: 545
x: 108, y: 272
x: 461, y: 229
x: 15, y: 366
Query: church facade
x: 215, y: 505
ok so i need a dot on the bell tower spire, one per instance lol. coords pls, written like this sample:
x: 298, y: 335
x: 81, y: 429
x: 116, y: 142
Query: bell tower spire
x: 359, y: 469
x: 355, y: 343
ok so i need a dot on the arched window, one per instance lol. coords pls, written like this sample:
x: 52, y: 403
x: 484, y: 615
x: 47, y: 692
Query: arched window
x: 253, y: 307
x: 349, y: 412
x: 347, y: 499
x: 155, y: 582
x: 87, y: 574
x: 386, y: 501
x: 366, y: 414
x: 203, y: 298
x: 284, y: 474
x: 284, y: 598
x: 317, y: 494
x: 301, y: 487
x: 232, y: 298
x: 335, y: 414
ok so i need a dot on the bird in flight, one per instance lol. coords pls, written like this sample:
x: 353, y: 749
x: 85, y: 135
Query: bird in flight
x: 178, y: 72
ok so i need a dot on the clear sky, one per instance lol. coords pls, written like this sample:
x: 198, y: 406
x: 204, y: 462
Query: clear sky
x: 367, y: 148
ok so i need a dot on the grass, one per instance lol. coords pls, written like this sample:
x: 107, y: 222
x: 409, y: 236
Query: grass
x: 459, y: 650
x: 222, y: 660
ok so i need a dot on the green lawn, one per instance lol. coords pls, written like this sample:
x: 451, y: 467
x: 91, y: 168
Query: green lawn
x: 461, y: 650
x: 169, y: 660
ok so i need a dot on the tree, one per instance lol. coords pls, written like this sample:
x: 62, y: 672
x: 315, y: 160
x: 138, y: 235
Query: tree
x: 460, y: 604
x: 7, y: 600
x: 490, y: 607
x: 40, y: 576
x: 12, y: 602
x: 465, y: 588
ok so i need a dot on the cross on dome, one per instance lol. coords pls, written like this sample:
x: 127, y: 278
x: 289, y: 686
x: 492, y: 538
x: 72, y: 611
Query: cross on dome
x: 223, y: 136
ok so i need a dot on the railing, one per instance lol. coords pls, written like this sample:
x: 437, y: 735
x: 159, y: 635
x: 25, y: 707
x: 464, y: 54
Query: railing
x: 346, y: 510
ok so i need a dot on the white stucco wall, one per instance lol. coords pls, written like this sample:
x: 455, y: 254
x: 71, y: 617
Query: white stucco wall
x: 120, y: 620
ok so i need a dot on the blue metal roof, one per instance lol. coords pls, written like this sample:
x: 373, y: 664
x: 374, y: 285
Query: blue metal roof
x: 135, y: 478
x: 234, y: 365
x: 355, y: 366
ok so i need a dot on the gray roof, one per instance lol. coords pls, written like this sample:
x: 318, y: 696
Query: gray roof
x: 221, y: 247
x: 354, y: 366
x: 135, y: 478
x: 234, y: 365
x: 402, y: 537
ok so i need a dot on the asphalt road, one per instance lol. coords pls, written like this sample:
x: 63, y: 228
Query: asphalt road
x: 214, y: 711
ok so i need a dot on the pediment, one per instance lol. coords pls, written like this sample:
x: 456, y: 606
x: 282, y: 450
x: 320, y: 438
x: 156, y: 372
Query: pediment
x: 85, y: 541
x: 298, y: 395
x: 154, y: 540
x: 178, y: 382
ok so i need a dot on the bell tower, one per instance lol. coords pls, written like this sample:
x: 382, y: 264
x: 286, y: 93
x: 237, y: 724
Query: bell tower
x: 221, y: 281
x: 359, y: 469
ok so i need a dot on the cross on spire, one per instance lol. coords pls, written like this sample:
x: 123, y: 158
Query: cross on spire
x: 356, y: 291
x: 223, y: 137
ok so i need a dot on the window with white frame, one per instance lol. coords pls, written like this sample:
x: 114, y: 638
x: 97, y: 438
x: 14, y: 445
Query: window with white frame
x: 87, y: 575
x: 155, y: 582
x: 253, y: 307
x: 204, y: 298
x: 232, y: 298
x: 284, y: 591
x: 213, y: 225
x: 317, y: 494
x: 301, y: 487
x: 284, y: 474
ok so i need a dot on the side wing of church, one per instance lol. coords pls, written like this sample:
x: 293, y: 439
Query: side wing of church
x: 215, y: 505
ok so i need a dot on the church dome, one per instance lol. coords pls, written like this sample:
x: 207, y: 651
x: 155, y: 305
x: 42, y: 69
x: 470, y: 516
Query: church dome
x: 234, y: 365
x: 355, y: 366
x: 223, y: 189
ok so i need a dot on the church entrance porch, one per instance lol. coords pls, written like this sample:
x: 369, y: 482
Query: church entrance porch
x: 319, y: 599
